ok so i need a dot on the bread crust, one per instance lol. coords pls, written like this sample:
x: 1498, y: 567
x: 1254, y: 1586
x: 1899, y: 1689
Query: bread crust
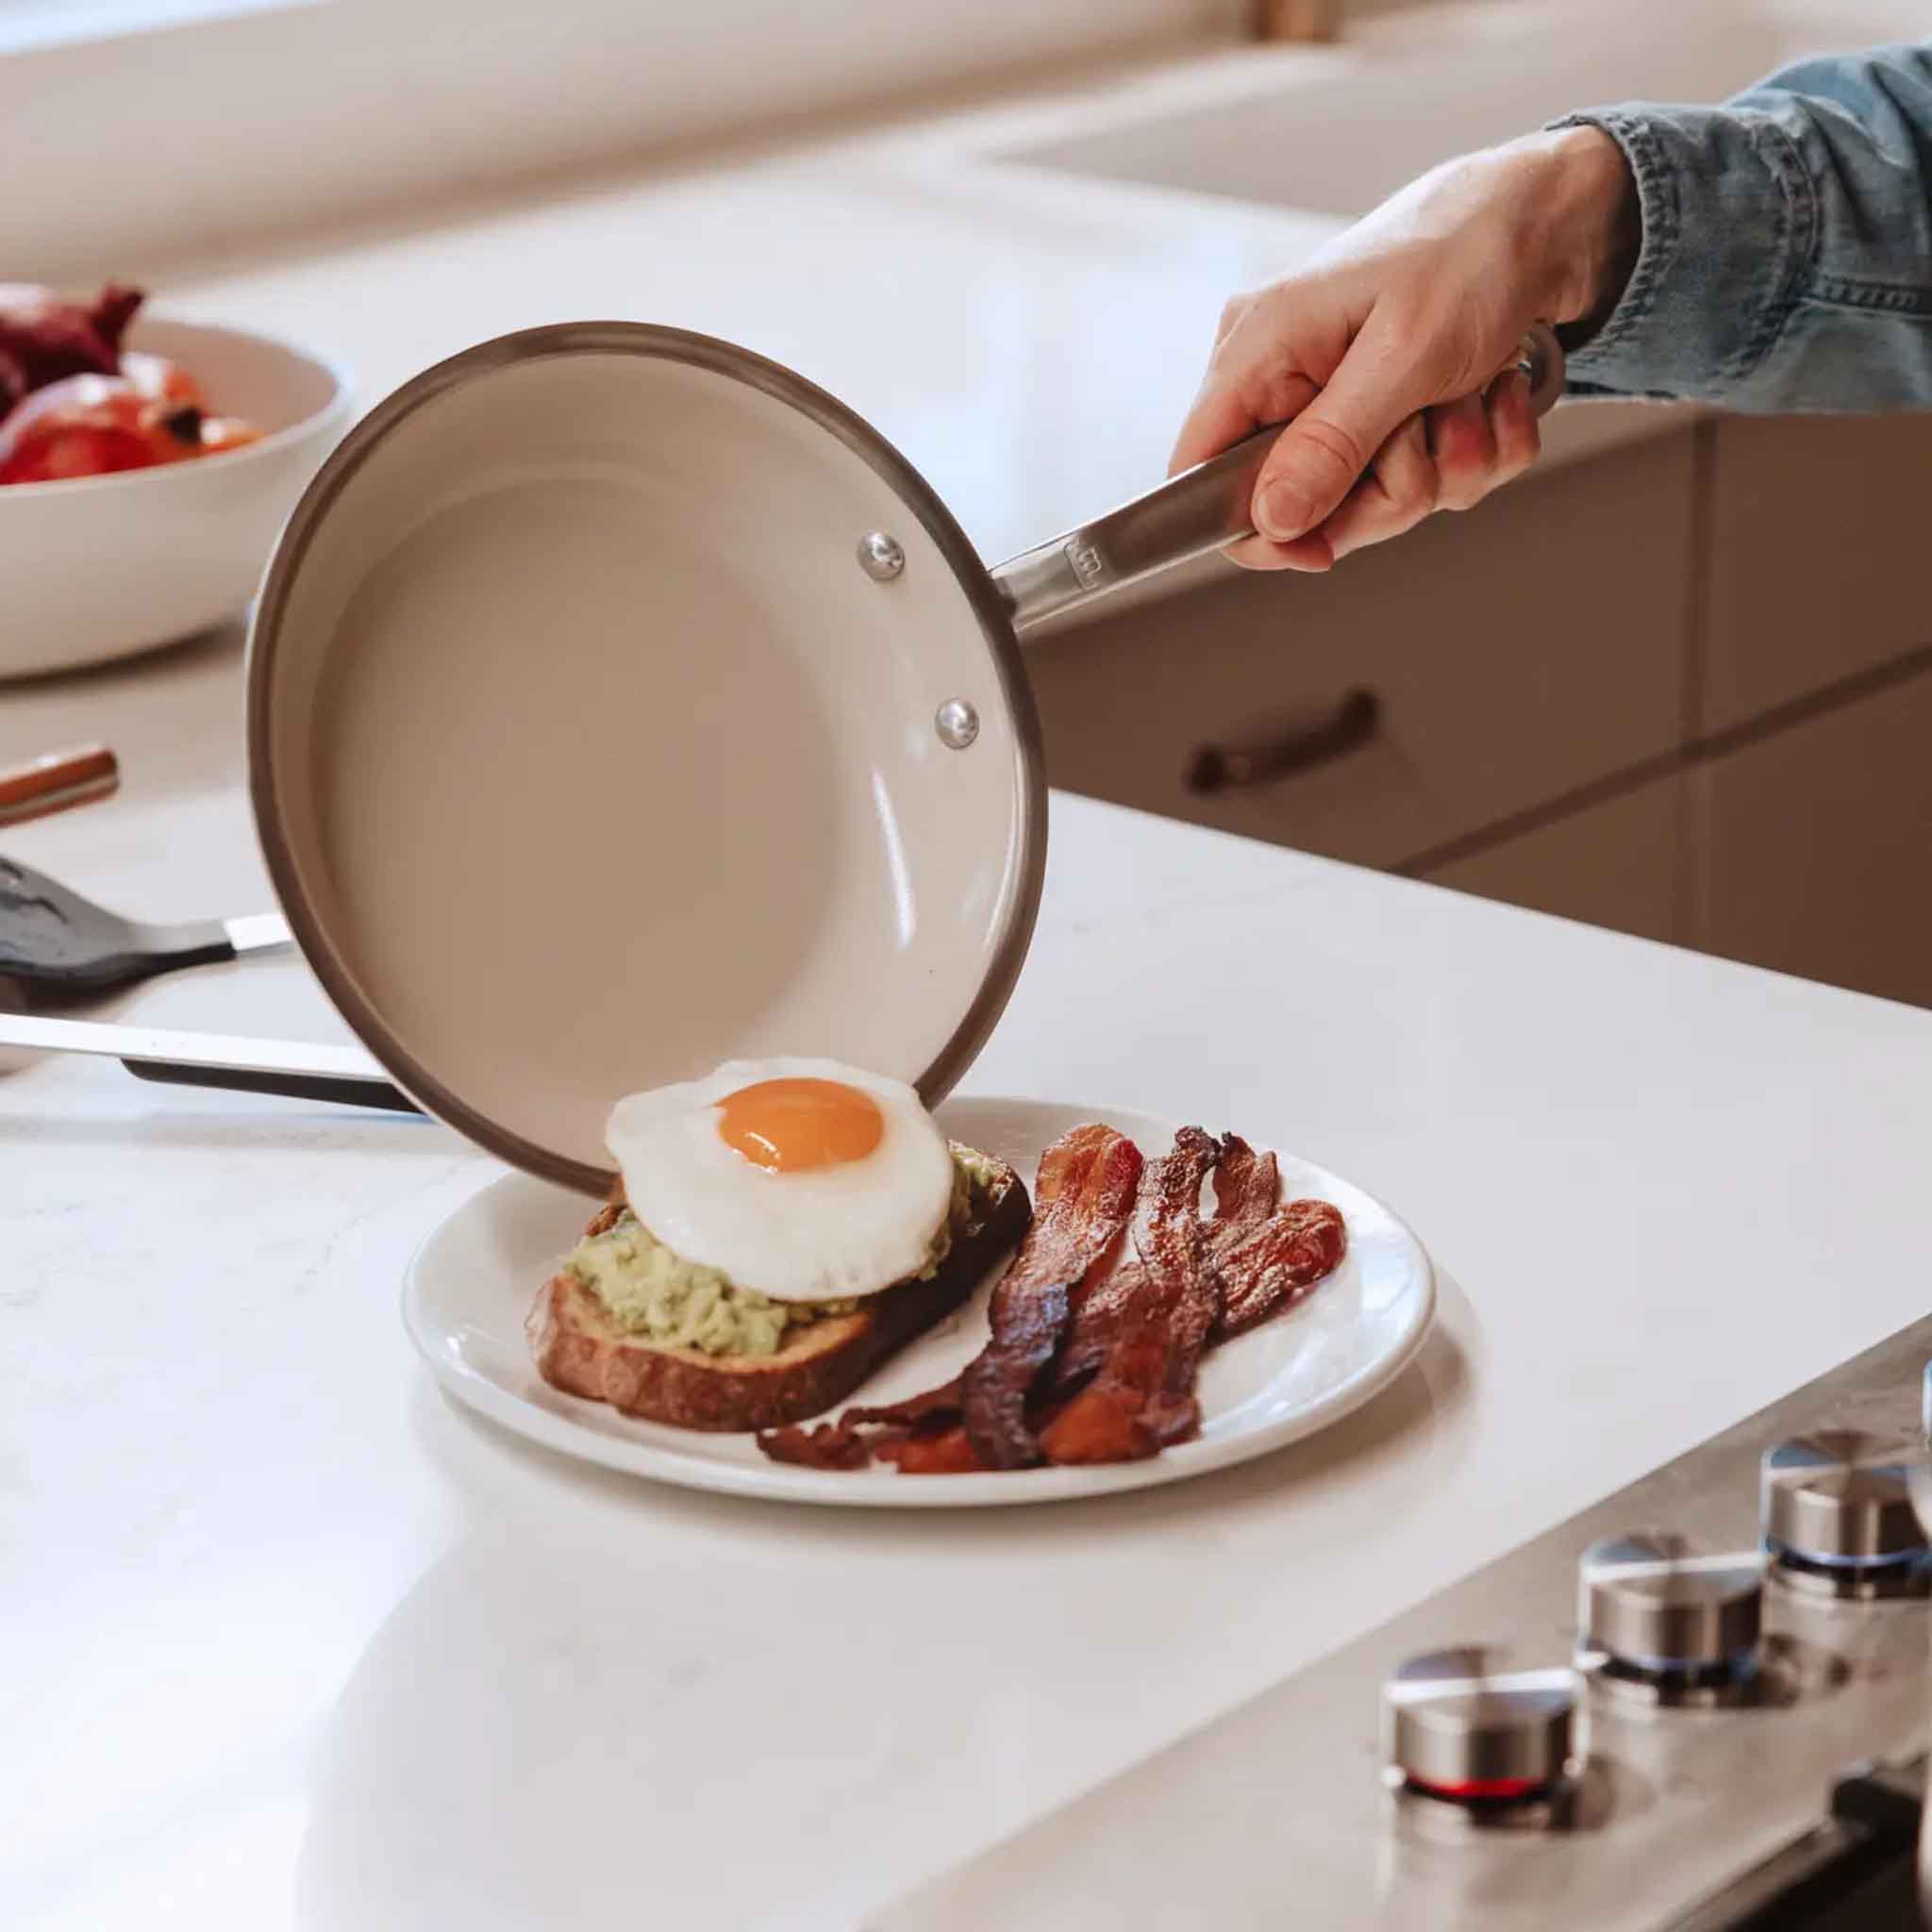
x: 579, y: 1350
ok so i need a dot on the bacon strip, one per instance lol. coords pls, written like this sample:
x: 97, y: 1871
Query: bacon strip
x: 947, y: 1451
x: 1094, y: 1329
x: 855, y: 1438
x: 1272, y: 1266
x: 934, y: 1406
x: 839, y: 1445
x: 1082, y: 1199
x: 1247, y: 1186
x: 1173, y: 1246
x: 1152, y: 1300
x: 1143, y: 1396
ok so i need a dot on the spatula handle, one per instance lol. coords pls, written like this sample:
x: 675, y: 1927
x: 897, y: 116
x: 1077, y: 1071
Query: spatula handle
x: 1200, y: 511
x: 347, y: 1090
x: 54, y: 938
x: 302, y: 1069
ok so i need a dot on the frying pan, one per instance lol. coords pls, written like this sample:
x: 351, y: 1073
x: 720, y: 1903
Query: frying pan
x: 619, y: 703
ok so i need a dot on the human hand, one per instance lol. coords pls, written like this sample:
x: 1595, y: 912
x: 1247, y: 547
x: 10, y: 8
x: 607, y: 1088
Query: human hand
x: 1382, y: 355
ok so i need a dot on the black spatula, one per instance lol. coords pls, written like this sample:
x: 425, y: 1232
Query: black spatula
x: 52, y: 938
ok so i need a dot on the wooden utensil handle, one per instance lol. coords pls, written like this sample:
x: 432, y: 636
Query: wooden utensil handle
x: 1298, y: 20
x: 56, y: 781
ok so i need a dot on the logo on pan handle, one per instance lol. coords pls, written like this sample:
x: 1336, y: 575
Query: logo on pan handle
x: 1088, y: 565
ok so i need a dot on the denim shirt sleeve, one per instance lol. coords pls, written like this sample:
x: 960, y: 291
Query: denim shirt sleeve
x: 1787, y: 254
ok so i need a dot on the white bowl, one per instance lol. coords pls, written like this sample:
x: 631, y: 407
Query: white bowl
x: 102, y: 566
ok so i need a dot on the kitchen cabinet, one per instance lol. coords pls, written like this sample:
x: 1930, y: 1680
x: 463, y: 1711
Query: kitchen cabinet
x: 1619, y: 864
x: 1815, y: 846
x: 1668, y: 689
x: 1817, y: 555
x: 1506, y: 662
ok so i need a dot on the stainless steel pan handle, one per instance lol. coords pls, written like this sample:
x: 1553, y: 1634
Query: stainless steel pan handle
x: 1202, y: 509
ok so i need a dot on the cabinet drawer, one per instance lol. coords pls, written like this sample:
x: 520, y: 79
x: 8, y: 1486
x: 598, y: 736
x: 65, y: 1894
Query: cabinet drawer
x: 1515, y: 653
x: 1617, y: 864
x: 1817, y: 554
x: 1818, y: 847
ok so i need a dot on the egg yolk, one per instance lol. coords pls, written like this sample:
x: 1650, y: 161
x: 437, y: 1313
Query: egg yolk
x: 784, y: 1126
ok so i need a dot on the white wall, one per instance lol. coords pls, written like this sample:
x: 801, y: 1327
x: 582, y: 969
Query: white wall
x: 127, y: 148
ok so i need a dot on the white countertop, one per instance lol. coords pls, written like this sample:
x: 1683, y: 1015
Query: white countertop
x: 1029, y: 338
x: 295, y: 1644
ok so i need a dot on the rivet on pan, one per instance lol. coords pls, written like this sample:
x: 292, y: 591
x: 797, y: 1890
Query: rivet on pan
x: 881, y: 556
x: 957, y: 722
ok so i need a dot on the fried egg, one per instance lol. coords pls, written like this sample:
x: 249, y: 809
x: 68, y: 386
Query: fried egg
x: 801, y: 1178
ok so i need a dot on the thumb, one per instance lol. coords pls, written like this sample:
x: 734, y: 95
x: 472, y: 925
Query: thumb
x: 1317, y: 458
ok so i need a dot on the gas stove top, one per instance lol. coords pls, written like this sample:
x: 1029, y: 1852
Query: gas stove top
x: 1700, y: 1705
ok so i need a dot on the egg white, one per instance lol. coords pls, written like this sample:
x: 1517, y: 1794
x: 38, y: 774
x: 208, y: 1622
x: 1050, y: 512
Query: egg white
x: 814, y: 1234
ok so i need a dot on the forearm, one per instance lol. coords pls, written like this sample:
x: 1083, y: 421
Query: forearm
x: 1786, y: 252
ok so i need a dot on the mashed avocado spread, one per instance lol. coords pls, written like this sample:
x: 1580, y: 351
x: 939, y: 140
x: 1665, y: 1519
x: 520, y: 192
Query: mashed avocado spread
x: 659, y: 1296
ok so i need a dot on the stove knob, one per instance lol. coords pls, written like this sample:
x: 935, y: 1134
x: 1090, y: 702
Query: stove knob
x: 1462, y: 1727
x: 1657, y: 1611
x: 1839, y: 1517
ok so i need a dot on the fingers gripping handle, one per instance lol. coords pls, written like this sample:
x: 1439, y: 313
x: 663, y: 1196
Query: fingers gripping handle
x: 1202, y: 509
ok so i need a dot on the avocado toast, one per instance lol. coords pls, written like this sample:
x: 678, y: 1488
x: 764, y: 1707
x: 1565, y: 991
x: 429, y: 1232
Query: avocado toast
x: 717, y: 1360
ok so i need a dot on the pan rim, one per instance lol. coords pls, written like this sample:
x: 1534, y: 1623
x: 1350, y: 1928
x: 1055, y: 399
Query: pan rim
x: 1014, y: 934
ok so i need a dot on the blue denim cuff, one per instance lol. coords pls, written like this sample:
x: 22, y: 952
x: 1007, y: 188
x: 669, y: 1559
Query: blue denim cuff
x: 1729, y: 226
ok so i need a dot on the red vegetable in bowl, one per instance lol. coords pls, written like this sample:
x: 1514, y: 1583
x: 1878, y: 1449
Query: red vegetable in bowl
x: 92, y: 425
x: 45, y: 338
x: 155, y: 376
x: 226, y: 432
x: 72, y: 404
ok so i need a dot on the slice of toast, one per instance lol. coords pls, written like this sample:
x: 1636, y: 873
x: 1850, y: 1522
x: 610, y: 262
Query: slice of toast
x: 580, y: 1350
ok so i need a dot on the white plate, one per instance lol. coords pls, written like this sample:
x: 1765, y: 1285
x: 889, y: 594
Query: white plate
x: 473, y: 1281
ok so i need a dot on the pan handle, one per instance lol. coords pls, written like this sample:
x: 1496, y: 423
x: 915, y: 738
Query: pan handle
x: 1200, y: 511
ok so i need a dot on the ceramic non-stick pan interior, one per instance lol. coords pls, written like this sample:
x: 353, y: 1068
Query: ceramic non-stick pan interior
x: 586, y: 750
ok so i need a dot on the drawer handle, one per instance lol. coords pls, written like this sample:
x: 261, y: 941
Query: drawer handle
x: 1222, y: 767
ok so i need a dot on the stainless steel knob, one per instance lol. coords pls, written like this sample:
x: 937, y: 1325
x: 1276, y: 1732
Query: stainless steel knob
x: 1657, y: 1608
x: 1838, y: 1514
x: 1462, y: 1727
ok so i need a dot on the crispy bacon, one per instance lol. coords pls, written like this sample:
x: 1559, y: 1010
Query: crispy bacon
x: 1082, y: 1199
x: 1272, y: 1266
x: 1131, y: 1329
x: 1141, y: 1396
x: 941, y: 1405
x: 855, y: 1438
x: 1173, y: 1246
x: 839, y: 1445
x: 946, y: 1451
x: 1247, y: 1186
x: 1101, y: 1422
x: 1093, y: 1327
